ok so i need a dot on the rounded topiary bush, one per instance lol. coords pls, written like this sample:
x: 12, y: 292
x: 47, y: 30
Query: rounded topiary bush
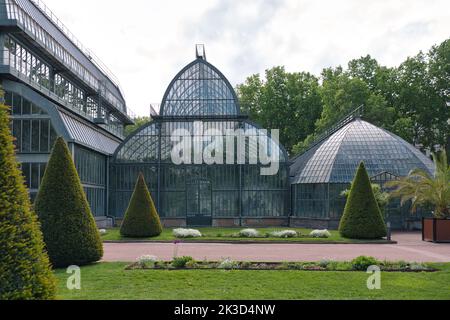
x: 362, y: 263
x: 362, y: 217
x: 141, y: 219
x: 25, y: 271
x: 69, y: 228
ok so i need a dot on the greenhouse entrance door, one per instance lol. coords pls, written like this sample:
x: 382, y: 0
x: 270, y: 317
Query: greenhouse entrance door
x: 199, y: 203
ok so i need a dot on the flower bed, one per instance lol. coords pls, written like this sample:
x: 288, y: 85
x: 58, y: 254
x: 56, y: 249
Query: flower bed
x: 255, y: 234
x: 358, y: 264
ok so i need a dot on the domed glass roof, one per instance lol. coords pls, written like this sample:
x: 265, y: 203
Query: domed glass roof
x: 200, y: 89
x: 335, y: 159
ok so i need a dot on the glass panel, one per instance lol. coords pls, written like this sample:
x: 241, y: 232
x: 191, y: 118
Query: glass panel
x: 44, y: 143
x: 205, y: 198
x: 8, y: 98
x: 17, y: 132
x: 35, y: 176
x: 26, y: 107
x: 17, y: 105
x: 26, y: 136
x: 35, y: 136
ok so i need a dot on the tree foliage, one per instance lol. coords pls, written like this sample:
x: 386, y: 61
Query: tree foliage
x: 410, y: 100
x: 286, y: 101
x: 141, y: 219
x: 69, y: 228
x: 25, y: 271
x: 138, y: 123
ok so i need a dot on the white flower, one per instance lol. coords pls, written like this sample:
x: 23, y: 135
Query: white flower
x: 145, y: 260
x: 186, y: 233
x: 320, y: 234
x: 228, y: 264
x: 102, y: 231
x: 284, y: 234
x: 418, y: 267
x: 249, y: 233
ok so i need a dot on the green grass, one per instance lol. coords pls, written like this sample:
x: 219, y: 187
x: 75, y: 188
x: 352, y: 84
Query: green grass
x: 109, y: 281
x: 226, y: 234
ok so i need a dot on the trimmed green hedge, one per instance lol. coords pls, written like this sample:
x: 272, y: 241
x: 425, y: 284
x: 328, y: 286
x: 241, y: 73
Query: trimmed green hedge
x: 362, y: 217
x: 25, y: 271
x: 69, y: 228
x: 141, y: 219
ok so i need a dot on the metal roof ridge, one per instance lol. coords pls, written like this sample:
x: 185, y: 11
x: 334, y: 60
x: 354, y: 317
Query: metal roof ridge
x: 349, y: 118
x: 47, y: 12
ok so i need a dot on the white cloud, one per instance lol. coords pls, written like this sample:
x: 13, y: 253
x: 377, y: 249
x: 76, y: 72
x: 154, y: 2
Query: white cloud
x: 146, y: 42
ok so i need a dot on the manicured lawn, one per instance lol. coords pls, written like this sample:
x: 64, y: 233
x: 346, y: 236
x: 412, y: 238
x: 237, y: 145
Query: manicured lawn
x: 226, y: 234
x: 110, y: 281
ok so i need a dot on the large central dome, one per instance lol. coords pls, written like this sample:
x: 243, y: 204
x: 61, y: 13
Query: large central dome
x: 200, y: 90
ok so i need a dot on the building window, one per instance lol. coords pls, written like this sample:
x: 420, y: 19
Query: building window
x: 31, y: 126
x: 33, y: 174
x: 36, y: 70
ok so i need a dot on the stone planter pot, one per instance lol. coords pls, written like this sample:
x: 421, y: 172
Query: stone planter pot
x: 436, y: 230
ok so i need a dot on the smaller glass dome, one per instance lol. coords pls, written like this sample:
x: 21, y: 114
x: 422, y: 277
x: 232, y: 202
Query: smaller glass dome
x: 335, y: 159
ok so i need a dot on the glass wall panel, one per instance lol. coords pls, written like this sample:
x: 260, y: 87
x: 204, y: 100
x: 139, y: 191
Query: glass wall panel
x: 26, y: 136
x: 91, y: 167
x: 35, y: 135
x: 33, y: 174
x: 31, y: 126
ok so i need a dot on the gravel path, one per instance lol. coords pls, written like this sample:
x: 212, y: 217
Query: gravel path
x: 409, y: 248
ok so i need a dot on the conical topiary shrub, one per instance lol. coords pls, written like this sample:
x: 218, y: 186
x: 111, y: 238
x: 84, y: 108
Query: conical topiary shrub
x: 25, y: 271
x: 141, y: 219
x: 69, y: 229
x: 362, y: 217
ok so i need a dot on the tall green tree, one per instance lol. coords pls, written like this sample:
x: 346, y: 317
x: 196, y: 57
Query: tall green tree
x: 25, y: 271
x: 343, y: 91
x: 286, y: 101
x: 70, y: 233
x: 439, y: 70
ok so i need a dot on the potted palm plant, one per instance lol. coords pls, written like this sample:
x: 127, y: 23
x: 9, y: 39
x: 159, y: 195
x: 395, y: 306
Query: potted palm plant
x: 422, y: 189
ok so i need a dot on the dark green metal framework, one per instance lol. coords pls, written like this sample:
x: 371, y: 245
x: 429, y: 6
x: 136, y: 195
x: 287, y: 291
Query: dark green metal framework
x: 200, y: 194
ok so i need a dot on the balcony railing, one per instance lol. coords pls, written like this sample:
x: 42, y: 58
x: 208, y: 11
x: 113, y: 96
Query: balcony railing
x: 96, y: 60
x: 25, y: 73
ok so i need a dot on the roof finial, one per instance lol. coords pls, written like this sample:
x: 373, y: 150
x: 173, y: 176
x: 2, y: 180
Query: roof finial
x: 200, y: 51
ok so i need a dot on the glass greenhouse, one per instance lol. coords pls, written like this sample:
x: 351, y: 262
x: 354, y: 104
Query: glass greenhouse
x: 200, y: 193
x: 325, y: 170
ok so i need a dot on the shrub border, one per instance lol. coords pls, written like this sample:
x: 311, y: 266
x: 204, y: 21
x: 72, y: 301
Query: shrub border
x: 135, y: 267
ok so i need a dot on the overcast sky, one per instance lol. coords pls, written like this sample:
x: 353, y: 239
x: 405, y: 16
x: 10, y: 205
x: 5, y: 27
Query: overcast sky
x: 146, y: 42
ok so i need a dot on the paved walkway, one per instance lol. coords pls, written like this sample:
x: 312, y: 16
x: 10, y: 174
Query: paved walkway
x: 409, y: 248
